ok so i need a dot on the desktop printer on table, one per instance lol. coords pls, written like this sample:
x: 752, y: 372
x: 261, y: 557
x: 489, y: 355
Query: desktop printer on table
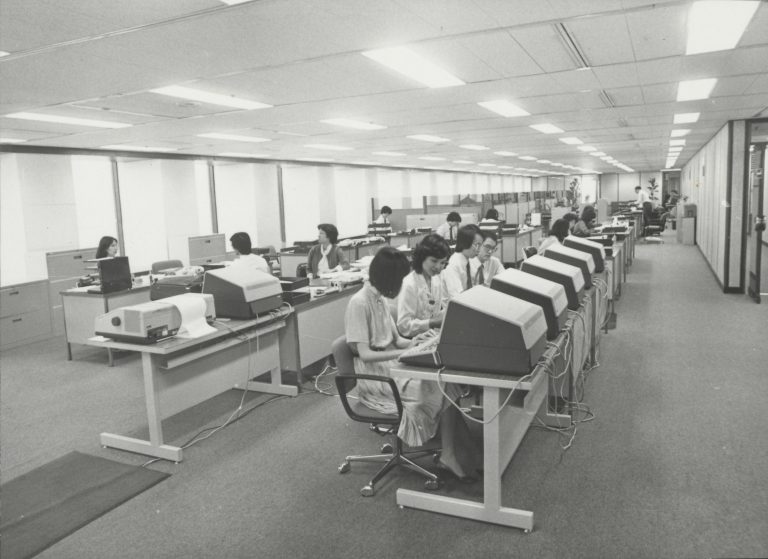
x: 241, y: 292
x: 149, y: 322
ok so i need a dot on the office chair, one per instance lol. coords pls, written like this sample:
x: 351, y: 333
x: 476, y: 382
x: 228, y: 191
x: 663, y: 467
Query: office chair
x: 392, y: 454
x: 654, y: 228
x: 301, y: 270
x: 163, y: 265
x: 529, y: 251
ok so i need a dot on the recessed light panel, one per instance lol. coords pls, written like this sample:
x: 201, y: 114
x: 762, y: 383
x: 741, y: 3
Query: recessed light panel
x: 356, y: 124
x: 505, y: 153
x: 233, y: 137
x: 68, y: 120
x: 692, y: 90
x: 571, y: 141
x: 547, y: 128
x: 685, y: 118
x: 587, y: 148
x: 428, y: 138
x: 504, y: 108
x: 408, y: 63
x: 680, y: 132
x: 330, y: 147
x: 389, y: 153
x: 474, y: 147
x: 210, y: 98
x: 714, y: 26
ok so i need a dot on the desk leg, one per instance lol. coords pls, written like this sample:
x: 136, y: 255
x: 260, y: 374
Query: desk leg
x: 498, y: 453
x: 276, y: 385
x: 110, y: 358
x: 69, y: 351
x: 154, y: 446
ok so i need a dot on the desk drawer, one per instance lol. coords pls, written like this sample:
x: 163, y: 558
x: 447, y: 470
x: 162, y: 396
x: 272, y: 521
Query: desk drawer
x: 23, y: 298
x: 207, y: 260
x: 28, y: 326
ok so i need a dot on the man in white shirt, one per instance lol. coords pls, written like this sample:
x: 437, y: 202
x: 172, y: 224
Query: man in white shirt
x: 461, y: 272
x: 642, y: 196
x: 489, y: 265
x: 450, y: 229
x: 384, y: 215
x: 241, y: 242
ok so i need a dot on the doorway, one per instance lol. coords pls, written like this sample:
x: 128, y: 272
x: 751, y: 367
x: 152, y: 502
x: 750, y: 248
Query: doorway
x: 757, y: 206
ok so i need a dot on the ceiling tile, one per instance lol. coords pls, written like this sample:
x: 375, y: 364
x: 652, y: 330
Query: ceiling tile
x: 603, y: 40
x: 658, y: 33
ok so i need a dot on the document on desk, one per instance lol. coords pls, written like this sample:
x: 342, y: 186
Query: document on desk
x: 193, y: 323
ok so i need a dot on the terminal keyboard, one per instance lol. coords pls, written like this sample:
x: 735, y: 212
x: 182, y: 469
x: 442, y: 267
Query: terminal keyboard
x: 423, y: 354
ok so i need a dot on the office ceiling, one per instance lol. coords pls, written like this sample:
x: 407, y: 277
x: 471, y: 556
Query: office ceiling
x: 98, y: 59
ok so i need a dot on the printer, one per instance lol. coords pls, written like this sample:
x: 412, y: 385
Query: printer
x: 149, y: 322
x: 242, y: 292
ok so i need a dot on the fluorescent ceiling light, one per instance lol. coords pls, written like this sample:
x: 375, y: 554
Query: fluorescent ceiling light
x: 408, y: 63
x: 527, y: 158
x: 432, y: 158
x: 474, y: 147
x: 547, y: 128
x: 676, y: 148
x: 559, y: 165
x: 233, y: 137
x: 330, y: 147
x: 571, y: 141
x: 679, y: 132
x: 544, y: 161
x: 597, y: 153
x: 691, y: 90
x: 68, y: 120
x: 4, y: 53
x: 136, y: 148
x: 677, y: 142
x: 506, y: 167
x: 11, y: 141
x: 607, y: 158
x: 242, y: 154
x: 504, y: 108
x: 587, y: 148
x: 315, y: 159
x: 356, y: 124
x: 207, y: 97
x: 685, y: 118
x: 233, y: 2
x: 389, y: 153
x: 463, y: 162
x: 505, y: 153
x: 487, y: 164
x: 428, y: 138
x: 714, y: 26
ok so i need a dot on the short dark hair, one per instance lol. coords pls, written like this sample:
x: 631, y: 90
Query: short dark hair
x: 453, y: 216
x: 330, y: 231
x: 571, y: 216
x: 638, y: 187
x: 588, y: 214
x: 492, y: 213
x: 386, y: 210
x: 489, y: 235
x: 431, y: 245
x: 559, y: 229
x: 104, y: 243
x: 387, y: 270
x: 241, y: 242
x: 465, y: 237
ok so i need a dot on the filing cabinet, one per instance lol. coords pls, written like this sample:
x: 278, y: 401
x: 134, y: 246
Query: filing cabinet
x: 65, y: 267
x: 25, y: 314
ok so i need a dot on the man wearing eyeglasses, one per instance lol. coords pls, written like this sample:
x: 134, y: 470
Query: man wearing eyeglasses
x: 489, y: 265
x: 461, y: 272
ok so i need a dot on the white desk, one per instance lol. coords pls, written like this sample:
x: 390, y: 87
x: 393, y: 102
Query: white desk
x: 501, y: 437
x: 180, y: 373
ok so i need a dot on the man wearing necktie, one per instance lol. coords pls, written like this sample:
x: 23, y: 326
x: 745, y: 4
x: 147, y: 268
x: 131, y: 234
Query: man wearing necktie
x: 489, y: 265
x: 462, y: 267
x: 449, y: 229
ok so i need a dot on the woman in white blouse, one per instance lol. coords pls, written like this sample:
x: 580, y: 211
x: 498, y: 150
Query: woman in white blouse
x: 419, y: 305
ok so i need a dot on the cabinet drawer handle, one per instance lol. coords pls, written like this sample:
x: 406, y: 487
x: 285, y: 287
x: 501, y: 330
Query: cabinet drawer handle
x: 78, y: 257
x: 13, y: 293
x: 208, y: 241
x: 16, y: 320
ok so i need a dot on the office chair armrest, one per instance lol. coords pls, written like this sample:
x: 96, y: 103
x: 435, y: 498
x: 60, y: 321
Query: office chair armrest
x: 345, y: 383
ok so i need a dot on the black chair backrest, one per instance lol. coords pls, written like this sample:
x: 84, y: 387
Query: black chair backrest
x: 301, y: 270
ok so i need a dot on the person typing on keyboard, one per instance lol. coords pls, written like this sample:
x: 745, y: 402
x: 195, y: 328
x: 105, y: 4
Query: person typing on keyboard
x: 373, y: 336
x: 420, y: 303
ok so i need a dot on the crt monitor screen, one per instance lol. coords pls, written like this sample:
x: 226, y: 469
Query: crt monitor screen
x: 582, y: 260
x: 115, y: 274
x: 595, y: 249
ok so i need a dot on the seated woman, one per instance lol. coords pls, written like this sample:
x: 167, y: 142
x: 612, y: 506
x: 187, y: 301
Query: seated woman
x: 107, y: 247
x: 373, y: 336
x: 241, y: 242
x: 326, y: 256
x: 583, y: 227
x: 557, y: 233
x: 419, y: 305
x: 490, y: 216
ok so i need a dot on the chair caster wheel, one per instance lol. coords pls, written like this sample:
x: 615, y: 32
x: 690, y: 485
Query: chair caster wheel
x: 386, y: 448
x: 344, y: 468
x: 367, y: 491
x: 526, y: 531
x: 432, y: 485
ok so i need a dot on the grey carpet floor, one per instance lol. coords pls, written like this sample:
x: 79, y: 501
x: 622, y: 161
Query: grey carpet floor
x: 673, y: 465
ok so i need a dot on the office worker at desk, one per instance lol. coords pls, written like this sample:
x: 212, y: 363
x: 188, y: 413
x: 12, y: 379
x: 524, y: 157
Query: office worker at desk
x: 461, y: 272
x: 420, y: 303
x: 642, y: 196
x: 489, y: 265
x: 107, y: 247
x: 372, y: 334
x: 583, y: 227
x: 571, y: 218
x: 557, y: 233
x: 491, y: 216
x: 326, y: 256
x: 450, y: 229
x: 241, y: 242
x: 384, y: 215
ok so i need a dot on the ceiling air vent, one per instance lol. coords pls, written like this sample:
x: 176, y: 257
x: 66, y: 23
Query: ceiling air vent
x: 607, y: 99
x: 622, y: 122
x: 569, y: 41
